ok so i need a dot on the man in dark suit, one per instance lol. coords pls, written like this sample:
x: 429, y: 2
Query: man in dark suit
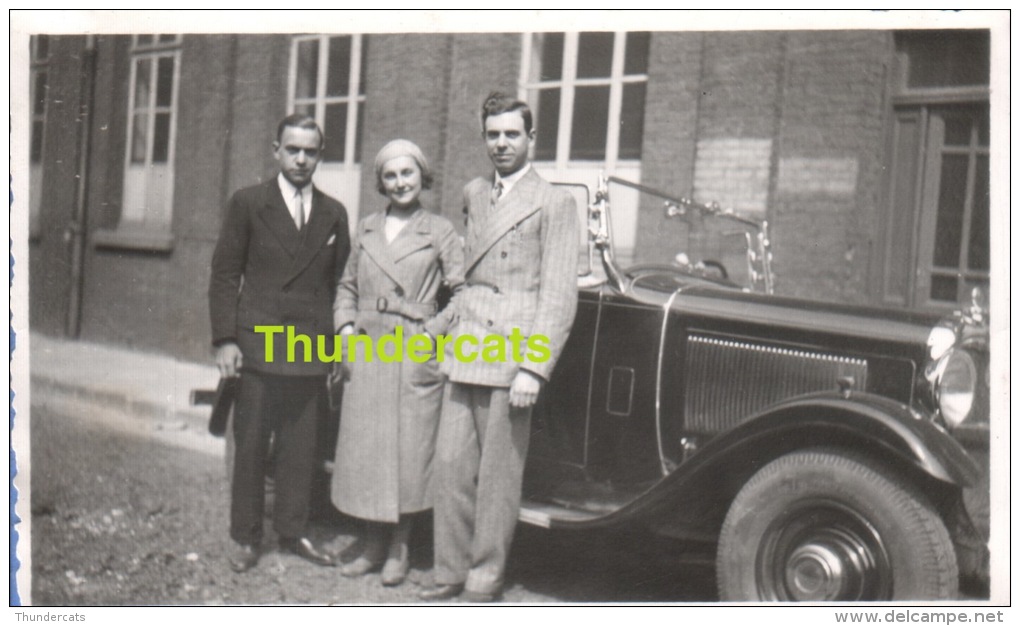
x: 280, y: 255
x: 521, y: 278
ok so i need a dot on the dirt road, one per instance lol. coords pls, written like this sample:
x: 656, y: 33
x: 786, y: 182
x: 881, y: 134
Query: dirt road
x: 123, y: 514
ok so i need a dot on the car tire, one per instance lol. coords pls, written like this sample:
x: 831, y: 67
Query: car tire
x: 824, y: 525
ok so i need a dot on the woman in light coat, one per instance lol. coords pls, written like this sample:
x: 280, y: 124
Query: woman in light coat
x: 390, y: 413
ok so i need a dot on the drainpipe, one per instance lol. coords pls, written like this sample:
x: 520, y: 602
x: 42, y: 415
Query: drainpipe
x: 77, y: 229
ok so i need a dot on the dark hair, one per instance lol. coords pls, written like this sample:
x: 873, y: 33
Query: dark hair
x: 299, y: 120
x: 497, y: 103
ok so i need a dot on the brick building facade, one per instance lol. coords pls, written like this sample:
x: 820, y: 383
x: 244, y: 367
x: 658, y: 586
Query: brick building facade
x: 867, y: 151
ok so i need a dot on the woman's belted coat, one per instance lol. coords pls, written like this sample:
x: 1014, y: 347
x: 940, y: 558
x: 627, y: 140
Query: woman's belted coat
x: 390, y: 410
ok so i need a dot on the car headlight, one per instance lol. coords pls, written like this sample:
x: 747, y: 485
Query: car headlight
x: 955, y: 386
x: 940, y: 340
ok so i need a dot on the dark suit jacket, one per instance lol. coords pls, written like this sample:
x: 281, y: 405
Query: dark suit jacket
x: 266, y: 272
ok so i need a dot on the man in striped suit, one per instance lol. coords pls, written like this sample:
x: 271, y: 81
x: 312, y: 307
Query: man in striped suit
x: 521, y: 278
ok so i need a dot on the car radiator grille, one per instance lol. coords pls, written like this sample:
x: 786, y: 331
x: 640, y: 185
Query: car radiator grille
x: 727, y: 381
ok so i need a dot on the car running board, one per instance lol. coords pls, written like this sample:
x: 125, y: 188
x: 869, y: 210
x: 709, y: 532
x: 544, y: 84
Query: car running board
x: 548, y: 515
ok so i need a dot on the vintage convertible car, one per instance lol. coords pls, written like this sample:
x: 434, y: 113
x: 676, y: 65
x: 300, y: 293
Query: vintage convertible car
x: 828, y: 452
x: 824, y: 452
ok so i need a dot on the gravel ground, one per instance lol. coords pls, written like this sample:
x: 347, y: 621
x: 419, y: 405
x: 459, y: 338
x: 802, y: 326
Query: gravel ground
x: 122, y: 517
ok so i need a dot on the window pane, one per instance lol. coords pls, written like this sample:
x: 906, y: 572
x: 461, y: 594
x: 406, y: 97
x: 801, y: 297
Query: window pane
x: 958, y: 130
x: 161, y: 138
x: 591, y: 118
x: 165, y: 81
x: 307, y: 109
x: 339, y: 66
x: 547, y: 124
x: 977, y: 252
x: 37, y: 138
x: 363, y: 77
x: 39, y: 104
x: 139, y: 138
x: 636, y: 59
x: 550, y: 46
x: 307, y: 68
x: 144, y: 40
x: 632, y: 120
x: 946, y: 58
x: 944, y: 288
x: 949, y: 223
x: 983, y: 128
x: 167, y: 38
x: 594, y: 55
x: 142, y: 71
x: 336, y: 132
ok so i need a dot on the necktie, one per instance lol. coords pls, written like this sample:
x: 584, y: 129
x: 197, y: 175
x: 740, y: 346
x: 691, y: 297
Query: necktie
x: 497, y: 191
x: 299, y: 212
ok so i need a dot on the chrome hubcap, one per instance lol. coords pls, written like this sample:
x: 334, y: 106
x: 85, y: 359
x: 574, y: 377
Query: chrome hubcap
x: 823, y: 552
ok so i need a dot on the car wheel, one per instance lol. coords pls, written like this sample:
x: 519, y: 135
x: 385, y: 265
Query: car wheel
x: 819, y: 525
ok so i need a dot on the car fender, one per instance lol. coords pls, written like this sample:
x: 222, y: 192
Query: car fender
x: 694, y: 497
x: 886, y: 425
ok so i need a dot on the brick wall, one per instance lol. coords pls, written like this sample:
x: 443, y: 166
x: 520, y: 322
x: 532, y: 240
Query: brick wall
x: 670, y: 135
x: 231, y: 94
x: 479, y: 64
x: 405, y: 97
x: 787, y: 126
x: 155, y: 300
x: 830, y: 156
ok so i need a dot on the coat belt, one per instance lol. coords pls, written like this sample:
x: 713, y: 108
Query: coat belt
x: 418, y: 311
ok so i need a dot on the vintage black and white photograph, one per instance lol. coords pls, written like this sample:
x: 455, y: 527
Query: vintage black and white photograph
x: 683, y: 308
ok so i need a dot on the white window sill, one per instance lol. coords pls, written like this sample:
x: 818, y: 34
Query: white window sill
x: 134, y: 238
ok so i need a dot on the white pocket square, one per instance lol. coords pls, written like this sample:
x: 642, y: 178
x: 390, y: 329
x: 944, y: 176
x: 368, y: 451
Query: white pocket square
x: 332, y: 238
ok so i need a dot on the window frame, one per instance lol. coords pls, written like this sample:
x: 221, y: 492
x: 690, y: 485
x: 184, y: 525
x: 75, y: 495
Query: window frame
x: 145, y: 228
x: 569, y: 82
x: 321, y: 100
x: 924, y: 107
x: 927, y: 269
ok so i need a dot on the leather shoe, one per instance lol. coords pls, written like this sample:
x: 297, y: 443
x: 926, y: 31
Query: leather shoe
x: 441, y: 592
x: 304, y: 549
x: 359, y: 567
x: 480, y: 597
x: 395, y: 571
x: 243, y: 557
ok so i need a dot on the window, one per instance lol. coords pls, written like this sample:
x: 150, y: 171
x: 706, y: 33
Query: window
x: 587, y: 91
x: 147, y: 202
x: 39, y: 88
x: 937, y: 243
x: 327, y: 82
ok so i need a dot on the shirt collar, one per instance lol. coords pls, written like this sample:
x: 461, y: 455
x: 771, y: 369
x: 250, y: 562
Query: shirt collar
x: 511, y: 180
x: 287, y: 188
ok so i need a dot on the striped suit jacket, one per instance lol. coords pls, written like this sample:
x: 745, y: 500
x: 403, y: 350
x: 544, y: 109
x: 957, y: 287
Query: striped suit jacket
x: 520, y: 273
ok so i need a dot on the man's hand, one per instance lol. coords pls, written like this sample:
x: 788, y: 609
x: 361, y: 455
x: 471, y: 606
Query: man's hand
x: 524, y: 390
x: 339, y: 373
x: 228, y: 359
